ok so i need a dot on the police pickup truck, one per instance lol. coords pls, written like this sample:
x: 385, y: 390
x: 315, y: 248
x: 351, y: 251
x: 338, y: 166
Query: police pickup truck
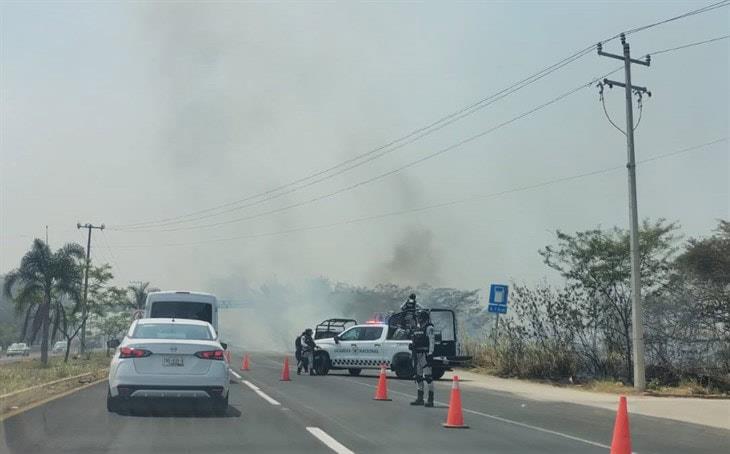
x: 367, y: 346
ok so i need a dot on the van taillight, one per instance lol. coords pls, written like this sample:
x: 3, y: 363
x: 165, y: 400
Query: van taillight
x: 211, y: 354
x: 128, y: 352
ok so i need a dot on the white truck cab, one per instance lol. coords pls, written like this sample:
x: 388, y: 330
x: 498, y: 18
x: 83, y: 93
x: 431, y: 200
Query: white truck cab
x: 368, y: 345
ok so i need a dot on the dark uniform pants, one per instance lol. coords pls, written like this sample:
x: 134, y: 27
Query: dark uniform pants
x: 423, y: 371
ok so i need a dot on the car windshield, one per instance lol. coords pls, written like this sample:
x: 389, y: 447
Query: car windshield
x: 172, y: 331
x: 182, y: 309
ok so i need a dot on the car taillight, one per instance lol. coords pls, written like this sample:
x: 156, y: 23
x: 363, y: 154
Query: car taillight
x: 128, y: 352
x: 211, y: 354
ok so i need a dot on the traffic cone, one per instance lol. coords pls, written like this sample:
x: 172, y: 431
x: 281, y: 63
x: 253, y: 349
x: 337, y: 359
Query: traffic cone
x: 381, y: 392
x: 455, y: 418
x: 621, y: 442
x: 285, y: 370
x: 244, y: 363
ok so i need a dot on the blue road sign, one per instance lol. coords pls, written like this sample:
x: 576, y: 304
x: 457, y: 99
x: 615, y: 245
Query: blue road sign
x: 498, y: 294
x: 497, y: 308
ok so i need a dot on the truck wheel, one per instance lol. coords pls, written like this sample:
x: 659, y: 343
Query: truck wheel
x: 404, y: 370
x: 322, y: 364
x: 354, y: 372
x: 438, y: 373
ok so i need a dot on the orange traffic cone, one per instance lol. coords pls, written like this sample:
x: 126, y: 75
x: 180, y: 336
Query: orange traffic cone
x: 381, y: 392
x: 285, y: 370
x: 621, y: 442
x: 455, y: 418
x: 244, y: 364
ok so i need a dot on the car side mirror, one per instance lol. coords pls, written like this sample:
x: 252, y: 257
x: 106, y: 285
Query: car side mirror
x: 224, y: 345
x: 114, y: 343
x: 337, y: 339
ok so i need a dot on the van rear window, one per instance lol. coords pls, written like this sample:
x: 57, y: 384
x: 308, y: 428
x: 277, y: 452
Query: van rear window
x: 182, y: 309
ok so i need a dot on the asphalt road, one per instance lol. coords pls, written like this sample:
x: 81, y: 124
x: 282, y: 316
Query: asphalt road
x: 336, y: 413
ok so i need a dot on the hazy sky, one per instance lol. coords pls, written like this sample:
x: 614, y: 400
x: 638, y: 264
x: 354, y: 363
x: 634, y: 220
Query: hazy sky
x: 119, y: 113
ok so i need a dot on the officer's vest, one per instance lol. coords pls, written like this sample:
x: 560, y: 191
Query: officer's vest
x: 420, y: 338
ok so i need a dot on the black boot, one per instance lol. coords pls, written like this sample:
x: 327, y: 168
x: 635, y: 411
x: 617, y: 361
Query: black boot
x: 419, y: 399
x: 429, y: 402
x: 299, y: 371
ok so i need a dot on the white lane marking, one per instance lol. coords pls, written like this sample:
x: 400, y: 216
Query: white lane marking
x: 505, y: 420
x: 235, y: 374
x: 261, y: 394
x: 539, y: 429
x: 331, y: 443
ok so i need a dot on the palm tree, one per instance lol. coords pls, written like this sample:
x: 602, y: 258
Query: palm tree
x: 138, y: 294
x: 43, y: 272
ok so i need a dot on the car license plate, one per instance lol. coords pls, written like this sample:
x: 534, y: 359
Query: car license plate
x: 172, y: 361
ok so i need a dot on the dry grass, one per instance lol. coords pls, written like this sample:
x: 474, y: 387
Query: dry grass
x: 26, y: 373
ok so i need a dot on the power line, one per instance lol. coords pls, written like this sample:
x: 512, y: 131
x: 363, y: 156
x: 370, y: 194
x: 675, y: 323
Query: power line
x: 368, y: 156
x: 698, y: 43
x: 397, y: 169
x: 437, y: 205
x: 397, y: 143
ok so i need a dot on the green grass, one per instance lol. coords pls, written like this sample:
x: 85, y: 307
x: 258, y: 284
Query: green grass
x: 26, y: 373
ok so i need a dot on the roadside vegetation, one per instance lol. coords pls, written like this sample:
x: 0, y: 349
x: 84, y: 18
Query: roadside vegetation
x: 580, y: 333
x: 42, y: 300
x: 23, y: 374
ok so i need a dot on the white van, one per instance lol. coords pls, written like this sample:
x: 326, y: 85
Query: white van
x: 182, y: 304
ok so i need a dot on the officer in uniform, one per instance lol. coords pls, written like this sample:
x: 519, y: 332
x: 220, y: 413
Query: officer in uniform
x: 409, y: 309
x: 422, y: 345
x: 298, y: 352
x: 308, y: 351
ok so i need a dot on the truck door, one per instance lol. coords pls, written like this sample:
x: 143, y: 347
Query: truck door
x: 370, y: 346
x: 345, y: 350
x: 444, y: 324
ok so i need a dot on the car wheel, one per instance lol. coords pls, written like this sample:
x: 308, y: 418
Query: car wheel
x: 354, y: 372
x: 113, y: 404
x: 220, y: 406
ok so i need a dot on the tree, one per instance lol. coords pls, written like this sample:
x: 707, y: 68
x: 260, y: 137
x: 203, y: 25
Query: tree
x: 705, y: 264
x: 598, y: 264
x: 138, y: 294
x: 101, y: 298
x: 42, y: 272
x: 113, y: 325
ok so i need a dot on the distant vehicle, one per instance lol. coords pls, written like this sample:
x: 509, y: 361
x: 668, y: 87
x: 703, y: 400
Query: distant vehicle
x: 183, y: 305
x: 369, y: 345
x: 59, y: 347
x: 164, y: 358
x: 18, y: 349
x: 332, y: 327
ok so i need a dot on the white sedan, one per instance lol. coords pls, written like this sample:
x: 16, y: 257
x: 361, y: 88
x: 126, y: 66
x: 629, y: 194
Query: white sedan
x: 162, y: 358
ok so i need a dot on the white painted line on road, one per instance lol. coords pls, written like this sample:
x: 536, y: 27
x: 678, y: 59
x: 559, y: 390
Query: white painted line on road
x: 262, y: 394
x: 505, y: 420
x: 331, y: 443
x: 539, y: 429
x: 235, y: 374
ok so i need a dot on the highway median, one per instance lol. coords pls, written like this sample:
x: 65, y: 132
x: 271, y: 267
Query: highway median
x: 28, y: 382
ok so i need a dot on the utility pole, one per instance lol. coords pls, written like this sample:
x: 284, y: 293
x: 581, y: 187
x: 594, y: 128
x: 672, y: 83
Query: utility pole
x: 637, y: 316
x: 85, y: 307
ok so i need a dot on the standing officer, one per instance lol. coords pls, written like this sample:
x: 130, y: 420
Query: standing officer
x: 409, y: 309
x: 298, y: 352
x: 308, y: 351
x: 423, y: 341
